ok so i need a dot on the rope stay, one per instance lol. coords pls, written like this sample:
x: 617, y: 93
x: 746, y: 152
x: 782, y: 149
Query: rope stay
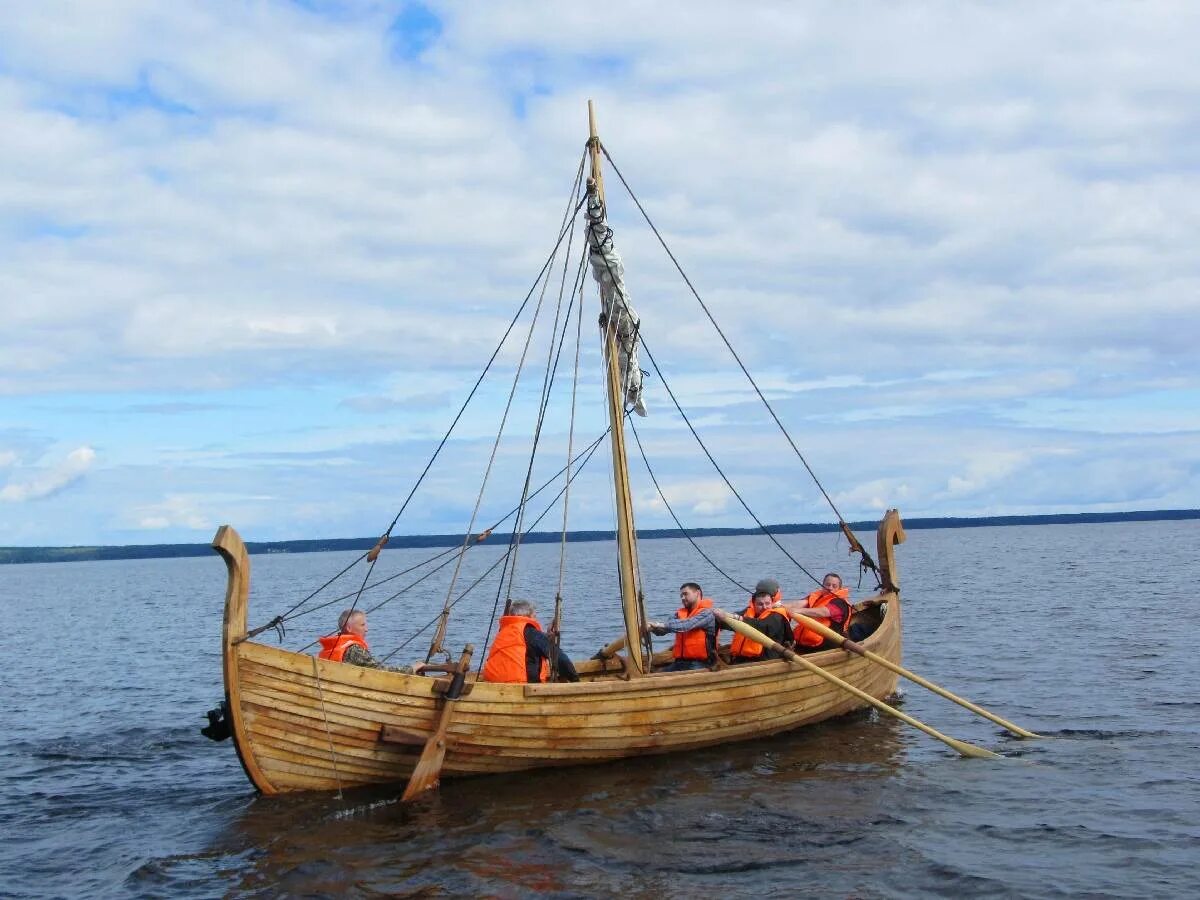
x: 436, y: 645
x: 855, y: 546
x: 563, y: 232
x: 278, y: 620
x: 556, y: 622
x: 583, y: 459
x: 544, y: 278
x: 548, y: 377
x: 765, y: 530
x: 552, y: 360
x: 667, y: 503
x: 609, y: 324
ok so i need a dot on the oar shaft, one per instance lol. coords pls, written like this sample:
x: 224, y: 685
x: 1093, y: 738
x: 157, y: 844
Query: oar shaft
x: 829, y: 633
x: 961, y: 747
x: 612, y: 649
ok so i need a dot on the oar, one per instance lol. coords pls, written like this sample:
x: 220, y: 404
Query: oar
x: 612, y: 649
x: 428, y: 771
x: 758, y: 637
x: 852, y: 647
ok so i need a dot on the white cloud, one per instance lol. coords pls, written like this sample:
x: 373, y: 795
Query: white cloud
x: 174, y: 511
x: 46, y: 482
x: 219, y: 198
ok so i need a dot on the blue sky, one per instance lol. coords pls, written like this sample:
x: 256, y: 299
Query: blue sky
x: 252, y: 257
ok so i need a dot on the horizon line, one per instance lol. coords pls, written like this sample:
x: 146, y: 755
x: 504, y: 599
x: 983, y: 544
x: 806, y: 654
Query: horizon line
x: 84, y: 552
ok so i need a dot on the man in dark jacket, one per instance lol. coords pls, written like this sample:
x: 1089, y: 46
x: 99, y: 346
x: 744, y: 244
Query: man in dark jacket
x: 761, y: 616
x: 522, y: 652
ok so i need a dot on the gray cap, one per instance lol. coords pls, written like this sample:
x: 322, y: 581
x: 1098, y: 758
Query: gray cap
x: 767, y: 586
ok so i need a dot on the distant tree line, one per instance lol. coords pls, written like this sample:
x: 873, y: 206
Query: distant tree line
x: 154, y: 551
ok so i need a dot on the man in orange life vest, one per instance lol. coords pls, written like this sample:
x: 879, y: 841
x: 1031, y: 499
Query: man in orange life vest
x: 521, y: 652
x: 349, y: 645
x: 829, y: 605
x: 762, y: 615
x: 695, y: 630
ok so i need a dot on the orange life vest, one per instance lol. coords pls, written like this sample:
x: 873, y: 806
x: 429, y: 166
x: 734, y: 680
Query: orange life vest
x: 808, y: 637
x: 692, y: 644
x: 506, y: 660
x: 744, y: 647
x: 333, y: 646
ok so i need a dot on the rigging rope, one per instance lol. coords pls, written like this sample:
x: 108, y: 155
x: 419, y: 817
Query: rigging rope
x: 583, y: 459
x: 556, y: 622
x: 720, y: 471
x: 503, y: 339
x: 855, y: 546
x: 547, y: 386
x: 637, y: 439
x: 568, y: 219
x: 435, y: 646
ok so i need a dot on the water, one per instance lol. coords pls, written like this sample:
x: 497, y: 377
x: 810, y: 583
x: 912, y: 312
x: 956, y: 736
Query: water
x: 1084, y: 633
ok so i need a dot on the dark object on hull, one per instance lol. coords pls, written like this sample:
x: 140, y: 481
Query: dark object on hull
x: 218, y: 728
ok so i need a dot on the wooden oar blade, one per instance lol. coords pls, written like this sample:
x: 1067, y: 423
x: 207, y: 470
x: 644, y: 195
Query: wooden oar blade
x: 428, y: 772
x: 852, y: 647
x: 973, y: 751
x: 961, y: 747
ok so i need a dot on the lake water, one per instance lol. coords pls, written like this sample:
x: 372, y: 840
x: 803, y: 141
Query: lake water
x: 1084, y: 633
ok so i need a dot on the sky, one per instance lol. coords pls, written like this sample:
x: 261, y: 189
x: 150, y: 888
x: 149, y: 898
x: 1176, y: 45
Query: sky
x: 253, y: 256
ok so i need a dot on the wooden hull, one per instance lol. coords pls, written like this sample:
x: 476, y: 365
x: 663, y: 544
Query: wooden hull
x: 306, y: 724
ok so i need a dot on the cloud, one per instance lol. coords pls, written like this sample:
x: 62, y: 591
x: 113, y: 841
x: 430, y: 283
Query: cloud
x: 915, y: 246
x: 48, y: 482
x: 175, y: 511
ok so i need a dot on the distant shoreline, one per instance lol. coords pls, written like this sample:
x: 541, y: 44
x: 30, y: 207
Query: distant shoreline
x: 12, y: 555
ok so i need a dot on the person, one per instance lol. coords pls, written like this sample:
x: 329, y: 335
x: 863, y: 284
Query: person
x: 763, y: 615
x: 695, y: 630
x: 349, y: 645
x: 521, y: 653
x: 829, y: 605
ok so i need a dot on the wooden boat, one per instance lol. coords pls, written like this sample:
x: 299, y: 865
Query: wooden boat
x: 303, y: 723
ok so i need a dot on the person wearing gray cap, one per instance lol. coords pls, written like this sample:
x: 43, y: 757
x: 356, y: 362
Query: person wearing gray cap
x: 768, y: 586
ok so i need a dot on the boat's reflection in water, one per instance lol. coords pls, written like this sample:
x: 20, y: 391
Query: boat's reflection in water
x: 748, y: 808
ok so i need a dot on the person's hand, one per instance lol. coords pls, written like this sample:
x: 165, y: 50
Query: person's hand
x: 418, y: 668
x: 656, y: 628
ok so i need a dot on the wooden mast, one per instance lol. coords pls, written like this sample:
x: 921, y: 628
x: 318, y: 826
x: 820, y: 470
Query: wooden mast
x: 626, y: 546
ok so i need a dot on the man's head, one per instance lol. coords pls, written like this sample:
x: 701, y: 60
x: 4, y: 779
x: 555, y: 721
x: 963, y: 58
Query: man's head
x: 689, y: 594
x: 353, y: 621
x: 832, y: 582
x: 763, y: 601
x: 521, y: 608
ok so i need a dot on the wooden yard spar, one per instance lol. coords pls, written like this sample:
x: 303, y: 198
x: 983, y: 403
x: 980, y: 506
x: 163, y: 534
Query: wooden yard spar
x: 300, y: 723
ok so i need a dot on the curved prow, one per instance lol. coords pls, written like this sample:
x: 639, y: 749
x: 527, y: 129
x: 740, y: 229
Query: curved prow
x: 228, y: 543
x: 891, y: 533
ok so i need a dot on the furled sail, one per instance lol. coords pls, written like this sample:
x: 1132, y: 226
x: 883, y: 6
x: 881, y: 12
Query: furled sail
x: 609, y: 272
